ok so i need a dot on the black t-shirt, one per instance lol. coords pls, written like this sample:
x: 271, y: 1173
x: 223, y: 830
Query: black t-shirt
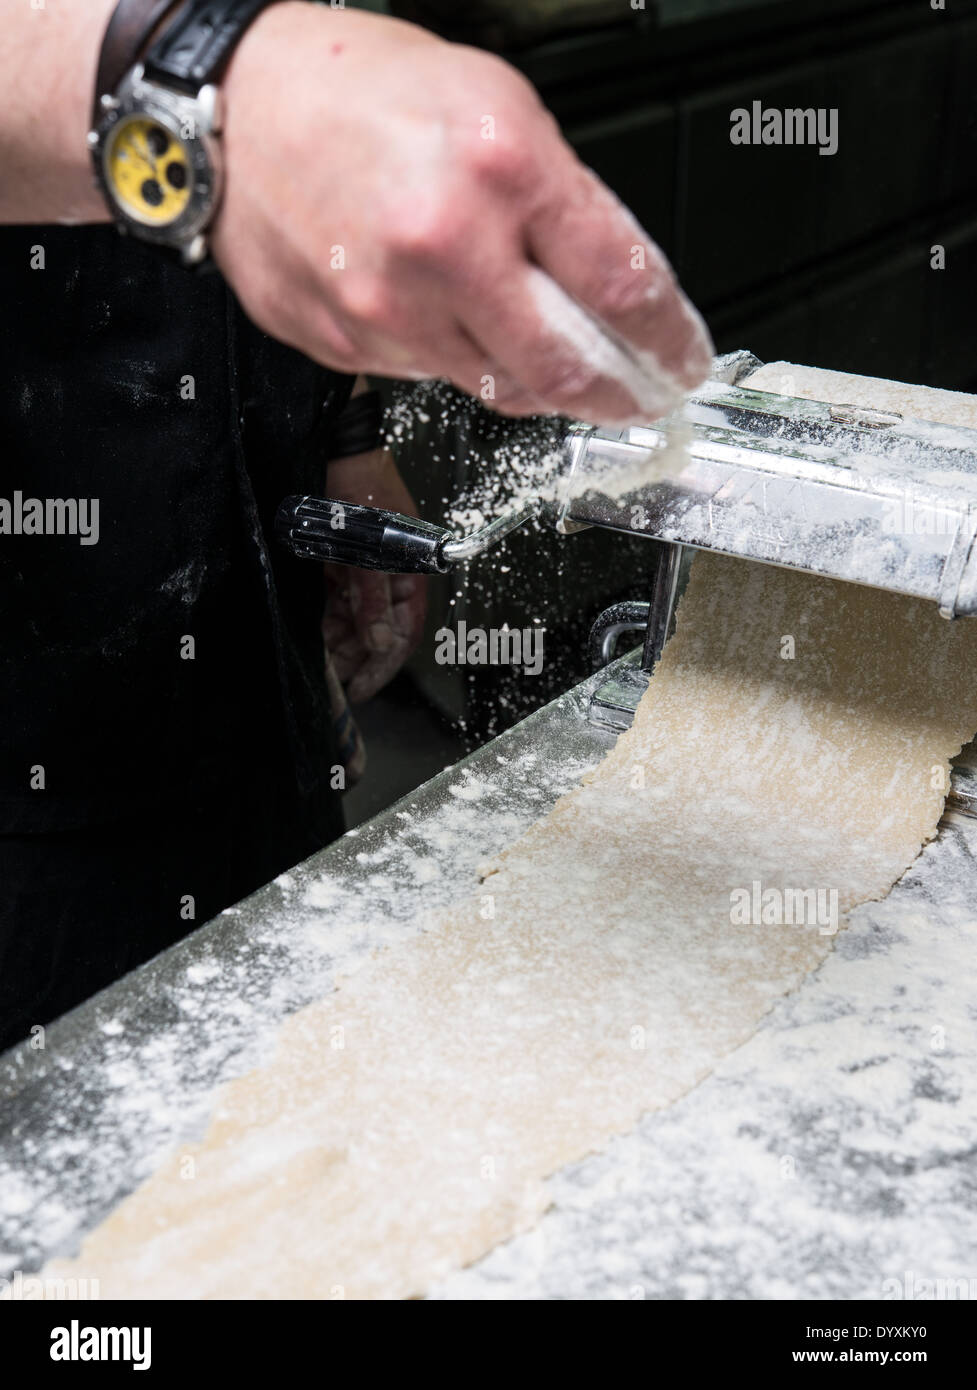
x: 125, y: 379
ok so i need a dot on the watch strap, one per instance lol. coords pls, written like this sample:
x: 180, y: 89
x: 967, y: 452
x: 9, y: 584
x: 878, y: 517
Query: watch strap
x: 196, y: 48
x: 359, y: 429
x: 131, y: 27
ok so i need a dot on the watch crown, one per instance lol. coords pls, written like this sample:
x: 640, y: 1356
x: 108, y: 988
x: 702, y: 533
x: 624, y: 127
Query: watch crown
x: 92, y: 139
x: 196, y: 251
x: 108, y: 103
x: 211, y: 107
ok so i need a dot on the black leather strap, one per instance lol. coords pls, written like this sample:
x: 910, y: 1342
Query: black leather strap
x: 132, y: 25
x: 197, y: 47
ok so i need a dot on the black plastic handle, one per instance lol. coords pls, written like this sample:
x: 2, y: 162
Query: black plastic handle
x: 344, y: 533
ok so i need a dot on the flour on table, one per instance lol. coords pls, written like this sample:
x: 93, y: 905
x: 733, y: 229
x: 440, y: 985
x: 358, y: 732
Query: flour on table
x: 793, y: 747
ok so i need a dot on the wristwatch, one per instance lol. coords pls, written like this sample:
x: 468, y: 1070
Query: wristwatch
x: 157, y: 119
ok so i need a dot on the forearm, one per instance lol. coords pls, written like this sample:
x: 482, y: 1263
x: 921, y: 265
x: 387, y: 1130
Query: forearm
x: 393, y: 204
x: 47, y: 75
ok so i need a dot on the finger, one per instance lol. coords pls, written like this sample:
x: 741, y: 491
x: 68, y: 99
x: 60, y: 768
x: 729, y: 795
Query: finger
x: 347, y: 658
x: 459, y: 360
x: 369, y: 597
x: 377, y: 671
x: 402, y: 586
x: 373, y: 614
x: 399, y: 330
x: 335, y: 631
x: 600, y: 256
x: 337, y: 622
x: 410, y: 609
x: 495, y: 388
x: 561, y: 356
x: 337, y: 580
x: 392, y: 335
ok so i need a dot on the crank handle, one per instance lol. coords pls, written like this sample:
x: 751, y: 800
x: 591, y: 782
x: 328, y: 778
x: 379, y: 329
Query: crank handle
x: 345, y: 533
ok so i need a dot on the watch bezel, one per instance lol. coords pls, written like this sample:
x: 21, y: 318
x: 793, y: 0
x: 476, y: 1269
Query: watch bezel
x: 175, y: 111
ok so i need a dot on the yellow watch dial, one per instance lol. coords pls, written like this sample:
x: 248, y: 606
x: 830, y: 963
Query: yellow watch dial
x: 148, y: 171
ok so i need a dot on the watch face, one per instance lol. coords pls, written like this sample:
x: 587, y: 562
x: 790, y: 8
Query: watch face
x: 148, y: 170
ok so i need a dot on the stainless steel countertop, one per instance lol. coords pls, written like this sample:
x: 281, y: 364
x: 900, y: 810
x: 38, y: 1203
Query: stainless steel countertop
x: 127, y: 1075
x: 833, y: 1152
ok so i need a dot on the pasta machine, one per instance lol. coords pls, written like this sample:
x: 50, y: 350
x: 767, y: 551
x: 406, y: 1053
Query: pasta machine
x: 861, y: 495
x: 868, y: 498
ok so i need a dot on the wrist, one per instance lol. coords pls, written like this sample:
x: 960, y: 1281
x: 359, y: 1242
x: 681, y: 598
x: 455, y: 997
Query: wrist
x: 262, y: 66
x: 86, y: 24
x: 371, y: 480
x: 261, y: 49
x: 45, y: 172
x: 156, y: 139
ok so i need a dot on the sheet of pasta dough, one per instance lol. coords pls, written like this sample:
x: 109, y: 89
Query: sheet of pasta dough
x: 796, y: 736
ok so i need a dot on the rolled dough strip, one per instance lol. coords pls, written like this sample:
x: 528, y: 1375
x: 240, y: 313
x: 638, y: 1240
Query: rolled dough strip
x: 873, y: 392
x: 795, y: 737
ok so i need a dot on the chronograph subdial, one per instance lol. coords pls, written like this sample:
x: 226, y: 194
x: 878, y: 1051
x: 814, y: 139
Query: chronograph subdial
x: 149, y: 170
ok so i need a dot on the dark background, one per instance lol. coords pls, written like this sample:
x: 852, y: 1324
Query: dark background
x: 818, y: 260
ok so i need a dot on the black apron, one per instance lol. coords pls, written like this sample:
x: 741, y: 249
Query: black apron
x: 165, y: 729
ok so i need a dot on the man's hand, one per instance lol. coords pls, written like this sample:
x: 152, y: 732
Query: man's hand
x: 394, y: 204
x: 404, y: 206
x: 373, y: 621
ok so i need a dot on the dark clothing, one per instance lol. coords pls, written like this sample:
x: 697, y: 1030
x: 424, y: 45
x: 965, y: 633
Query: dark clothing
x: 129, y: 380
x: 80, y: 908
